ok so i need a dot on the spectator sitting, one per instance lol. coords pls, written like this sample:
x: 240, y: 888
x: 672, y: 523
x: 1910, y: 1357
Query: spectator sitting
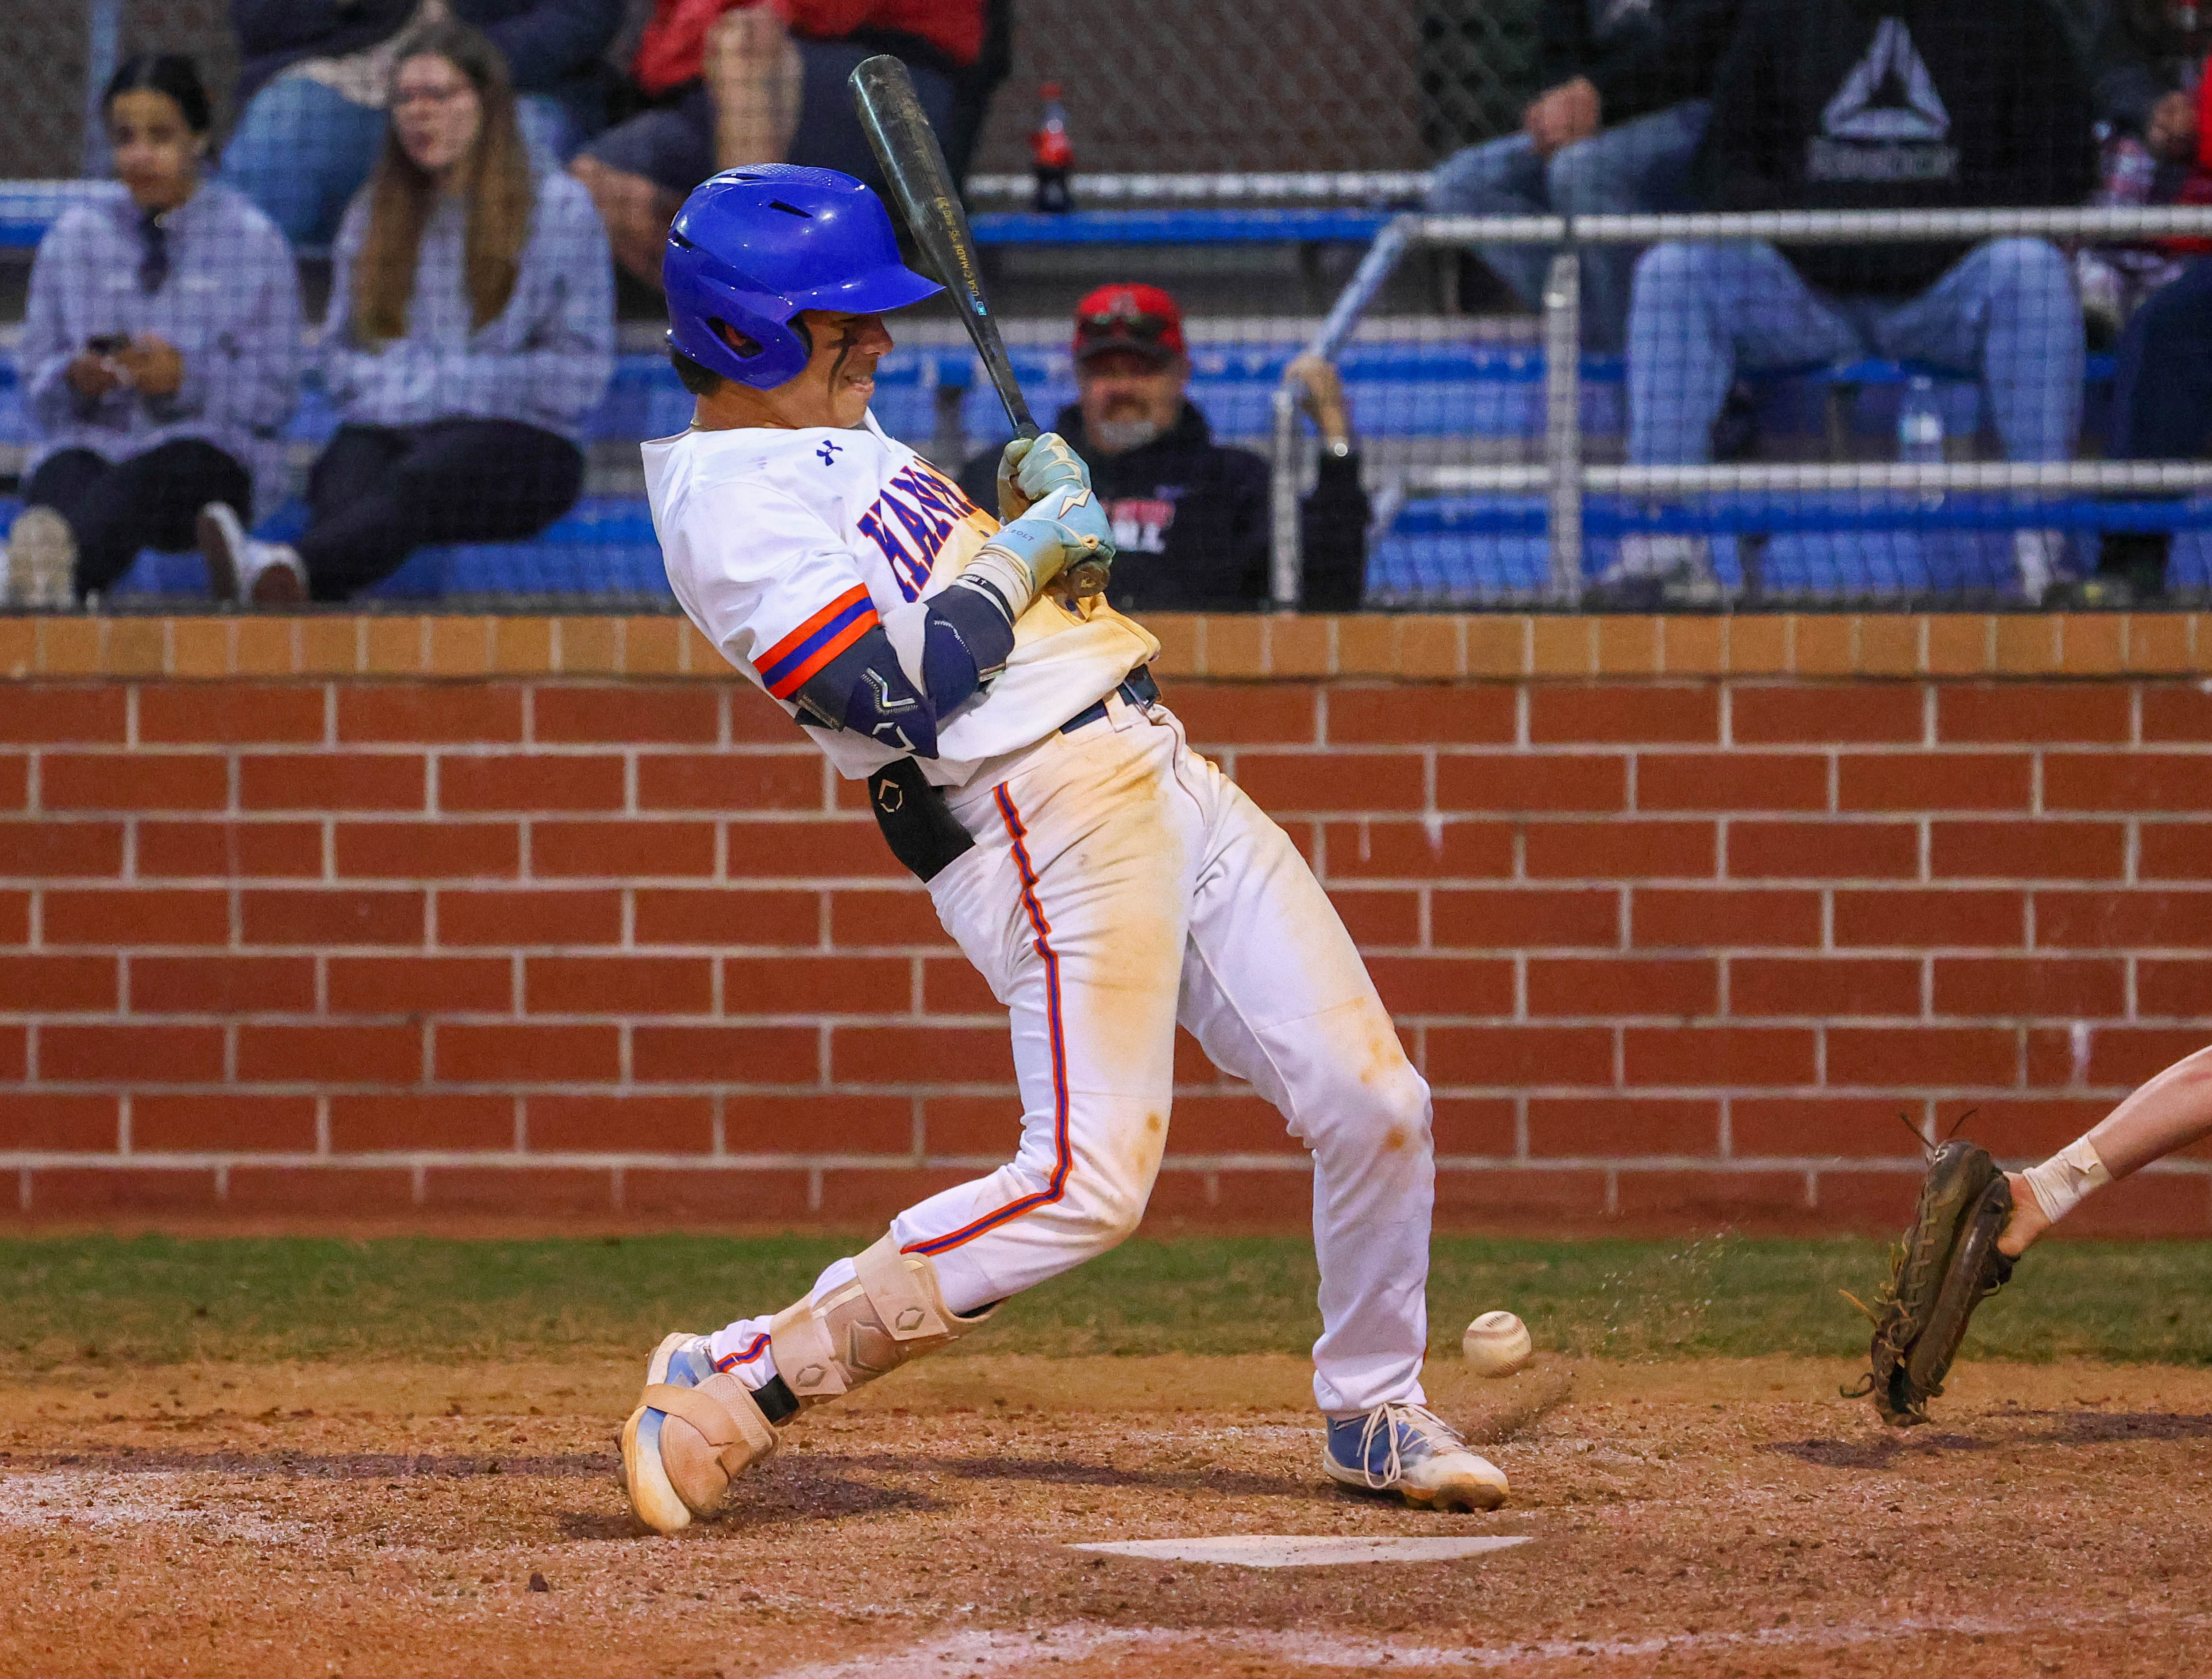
x: 2149, y: 72
x: 731, y: 85
x: 1191, y: 516
x: 471, y: 328
x: 159, y: 351
x: 312, y: 88
x: 1867, y: 105
x: 1614, y: 135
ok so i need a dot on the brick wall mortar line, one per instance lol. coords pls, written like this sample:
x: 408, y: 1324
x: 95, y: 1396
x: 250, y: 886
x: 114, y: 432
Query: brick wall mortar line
x: 123, y: 1127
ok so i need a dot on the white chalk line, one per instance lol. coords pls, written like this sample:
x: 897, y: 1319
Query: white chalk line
x: 1285, y: 1550
x: 999, y: 1652
x: 152, y: 1498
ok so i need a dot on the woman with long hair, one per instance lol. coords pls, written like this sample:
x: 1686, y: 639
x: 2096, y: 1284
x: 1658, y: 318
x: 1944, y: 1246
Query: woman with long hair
x: 471, y: 328
x: 160, y: 353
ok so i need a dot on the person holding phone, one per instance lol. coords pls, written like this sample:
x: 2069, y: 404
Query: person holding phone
x: 159, y: 352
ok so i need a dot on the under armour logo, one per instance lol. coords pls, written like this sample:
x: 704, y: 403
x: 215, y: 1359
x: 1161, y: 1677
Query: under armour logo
x: 828, y: 452
x: 890, y: 795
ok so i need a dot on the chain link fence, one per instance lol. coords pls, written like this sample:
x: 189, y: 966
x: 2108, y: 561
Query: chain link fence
x: 1225, y: 125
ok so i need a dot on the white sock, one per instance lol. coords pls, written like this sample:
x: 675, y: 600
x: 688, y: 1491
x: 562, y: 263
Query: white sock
x: 2061, y: 1182
x: 742, y: 1348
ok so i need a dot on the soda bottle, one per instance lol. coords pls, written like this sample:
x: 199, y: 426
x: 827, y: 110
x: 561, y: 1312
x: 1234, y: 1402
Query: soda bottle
x: 1054, y: 155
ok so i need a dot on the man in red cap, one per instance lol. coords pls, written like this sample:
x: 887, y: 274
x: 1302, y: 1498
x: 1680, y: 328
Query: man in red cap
x: 1191, y: 515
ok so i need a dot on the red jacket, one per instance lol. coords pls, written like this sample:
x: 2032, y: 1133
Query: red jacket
x: 675, y: 42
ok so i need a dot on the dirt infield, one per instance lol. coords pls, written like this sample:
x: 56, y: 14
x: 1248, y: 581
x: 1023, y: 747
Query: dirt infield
x: 1705, y: 1518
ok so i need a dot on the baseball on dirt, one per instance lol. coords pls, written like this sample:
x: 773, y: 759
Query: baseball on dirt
x: 1496, y: 1344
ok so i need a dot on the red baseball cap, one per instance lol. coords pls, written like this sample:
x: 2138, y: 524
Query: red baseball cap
x: 1143, y: 319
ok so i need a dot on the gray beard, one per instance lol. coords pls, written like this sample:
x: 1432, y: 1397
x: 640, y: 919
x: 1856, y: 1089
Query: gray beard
x: 1119, y: 436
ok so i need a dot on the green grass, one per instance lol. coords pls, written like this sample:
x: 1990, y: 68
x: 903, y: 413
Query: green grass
x: 103, y: 1299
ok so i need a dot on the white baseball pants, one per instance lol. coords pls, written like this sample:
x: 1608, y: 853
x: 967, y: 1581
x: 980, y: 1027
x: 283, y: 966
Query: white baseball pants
x: 1119, y: 884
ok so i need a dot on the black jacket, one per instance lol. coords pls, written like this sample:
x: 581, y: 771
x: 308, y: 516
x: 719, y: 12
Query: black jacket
x: 1191, y: 521
x: 2142, y: 55
x: 552, y: 46
x: 1820, y: 106
x: 1654, y: 55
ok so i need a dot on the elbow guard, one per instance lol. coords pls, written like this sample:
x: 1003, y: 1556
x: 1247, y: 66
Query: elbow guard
x: 899, y: 702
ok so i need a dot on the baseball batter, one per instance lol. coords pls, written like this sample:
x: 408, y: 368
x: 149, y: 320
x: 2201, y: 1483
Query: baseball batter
x: 1106, y: 880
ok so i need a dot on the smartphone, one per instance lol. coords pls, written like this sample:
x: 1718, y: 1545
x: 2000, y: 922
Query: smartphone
x: 107, y: 344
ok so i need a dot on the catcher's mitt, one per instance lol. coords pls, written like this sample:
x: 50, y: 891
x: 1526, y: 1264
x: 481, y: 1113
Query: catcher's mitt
x: 1948, y: 1265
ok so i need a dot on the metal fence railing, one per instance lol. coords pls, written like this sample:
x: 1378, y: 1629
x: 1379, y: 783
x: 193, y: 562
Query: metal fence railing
x: 1538, y: 504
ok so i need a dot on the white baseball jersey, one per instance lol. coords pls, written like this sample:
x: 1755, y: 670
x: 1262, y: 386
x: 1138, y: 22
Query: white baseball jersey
x: 784, y: 546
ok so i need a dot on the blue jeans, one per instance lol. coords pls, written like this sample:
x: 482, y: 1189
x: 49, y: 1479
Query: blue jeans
x: 1641, y: 166
x: 301, y: 150
x: 2006, y: 313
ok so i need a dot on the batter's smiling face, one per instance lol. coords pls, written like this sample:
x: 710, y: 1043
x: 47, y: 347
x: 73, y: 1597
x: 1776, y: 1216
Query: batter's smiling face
x: 839, y: 380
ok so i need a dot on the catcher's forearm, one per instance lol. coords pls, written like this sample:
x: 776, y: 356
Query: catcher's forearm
x: 2169, y: 1112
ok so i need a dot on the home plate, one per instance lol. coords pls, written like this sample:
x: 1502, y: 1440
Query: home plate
x: 1290, y: 1550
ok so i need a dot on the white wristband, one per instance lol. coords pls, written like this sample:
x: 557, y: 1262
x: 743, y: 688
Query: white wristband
x: 2061, y: 1182
x: 1008, y: 576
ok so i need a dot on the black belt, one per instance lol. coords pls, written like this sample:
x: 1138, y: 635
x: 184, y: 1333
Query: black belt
x: 1137, y: 688
x: 920, y: 829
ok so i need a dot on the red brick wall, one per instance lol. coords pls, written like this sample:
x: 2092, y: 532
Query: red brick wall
x: 1672, y: 953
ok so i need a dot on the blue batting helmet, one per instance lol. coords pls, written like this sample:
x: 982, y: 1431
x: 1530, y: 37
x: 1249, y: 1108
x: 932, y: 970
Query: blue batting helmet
x: 753, y: 247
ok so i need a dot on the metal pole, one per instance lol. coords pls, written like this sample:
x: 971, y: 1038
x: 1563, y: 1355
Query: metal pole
x: 103, y: 51
x: 1284, y: 573
x: 1283, y: 569
x: 1563, y: 422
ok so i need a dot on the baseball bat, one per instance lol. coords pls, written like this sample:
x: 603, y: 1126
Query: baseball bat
x: 906, y: 148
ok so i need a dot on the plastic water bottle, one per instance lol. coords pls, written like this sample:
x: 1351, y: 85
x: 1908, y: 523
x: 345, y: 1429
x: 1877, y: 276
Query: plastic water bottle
x: 2130, y: 174
x: 1920, y: 425
x: 1055, y: 153
x: 1920, y: 431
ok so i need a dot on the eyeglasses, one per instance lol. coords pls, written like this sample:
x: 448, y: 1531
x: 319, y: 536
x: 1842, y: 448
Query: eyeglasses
x: 404, y: 97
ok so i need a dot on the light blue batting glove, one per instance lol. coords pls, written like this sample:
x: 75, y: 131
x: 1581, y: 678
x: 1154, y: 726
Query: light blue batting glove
x: 1059, y: 529
x: 1032, y: 468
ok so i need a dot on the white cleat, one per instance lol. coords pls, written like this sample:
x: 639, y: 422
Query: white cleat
x: 693, y: 1431
x: 1409, y: 1449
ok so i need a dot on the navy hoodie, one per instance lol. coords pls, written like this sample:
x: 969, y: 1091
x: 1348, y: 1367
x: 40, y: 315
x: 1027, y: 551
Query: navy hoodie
x: 1896, y: 105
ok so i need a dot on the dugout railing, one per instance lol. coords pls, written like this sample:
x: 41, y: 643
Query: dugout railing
x: 1548, y: 496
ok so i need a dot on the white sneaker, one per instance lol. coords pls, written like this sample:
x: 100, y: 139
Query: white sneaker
x: 41, y: 560
x: 2038, y: 557
x: 244, y: 570
x: 1410, y: 1451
